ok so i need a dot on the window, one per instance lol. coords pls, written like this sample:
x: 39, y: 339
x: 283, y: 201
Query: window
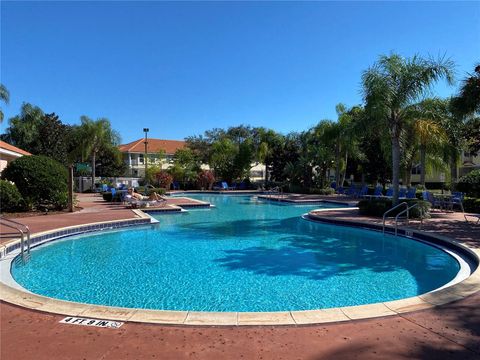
x: 140, y: 159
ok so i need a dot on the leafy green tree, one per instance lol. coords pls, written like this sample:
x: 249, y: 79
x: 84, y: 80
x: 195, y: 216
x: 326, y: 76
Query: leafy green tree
x: 23, y: 129
x: 5, y: 97
x: 222, y: 158
x: 390, y: 86
x: 110, y: 162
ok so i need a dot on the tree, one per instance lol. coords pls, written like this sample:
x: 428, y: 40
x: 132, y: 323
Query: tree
x: 110, y: 162
x: 96, y: 135
x: 467, y: 102
x: 23, y: 129
x: 5, y: 97
x: 390, y: 86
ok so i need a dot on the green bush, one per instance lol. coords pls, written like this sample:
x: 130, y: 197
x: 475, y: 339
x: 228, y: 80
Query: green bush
x: 471, y: 205
x: 40, y: 180
x: 326, y: 191
x: 107, y: 196
x: 10, y: 197
x: 377, y: 207
x: 470, y: 184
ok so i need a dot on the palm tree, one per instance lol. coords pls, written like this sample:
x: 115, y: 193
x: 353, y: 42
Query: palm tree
x: 390, y: 86
x: 468, y: 100
x: 96, y: 135
x: 5, y: 97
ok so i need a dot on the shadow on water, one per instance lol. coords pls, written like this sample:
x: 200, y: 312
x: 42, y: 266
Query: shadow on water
x: 317, y: 251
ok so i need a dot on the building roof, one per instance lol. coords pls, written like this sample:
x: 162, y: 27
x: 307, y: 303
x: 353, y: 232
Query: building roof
x: 154, y: 146
x: 7, y: 146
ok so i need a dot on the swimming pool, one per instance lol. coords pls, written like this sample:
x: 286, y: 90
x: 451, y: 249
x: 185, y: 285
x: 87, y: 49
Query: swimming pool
x: 243, y: 255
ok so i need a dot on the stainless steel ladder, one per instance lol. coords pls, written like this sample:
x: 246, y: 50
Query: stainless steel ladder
x: 390, y: 210
x: 24, y: 232
x: 406, y: 210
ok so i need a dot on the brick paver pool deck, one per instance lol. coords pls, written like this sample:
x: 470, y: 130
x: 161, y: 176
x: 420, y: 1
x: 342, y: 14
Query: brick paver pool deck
x: 451, y: 331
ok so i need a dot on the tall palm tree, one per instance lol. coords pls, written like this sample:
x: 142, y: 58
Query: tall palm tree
x: 5, y: 97
x: 390, y: 86
x: 96, y: 134
x: 467, y: 102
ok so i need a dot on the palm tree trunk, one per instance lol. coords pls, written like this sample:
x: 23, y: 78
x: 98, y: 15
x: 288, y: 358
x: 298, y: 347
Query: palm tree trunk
x: 93, y: 171
x: 423, y: 153
x: 395, y: 164
x: 453, y: 170
x: 337, y: 166
x: 344, y: 172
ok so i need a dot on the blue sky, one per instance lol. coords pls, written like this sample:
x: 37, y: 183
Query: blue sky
x: 182, y: 68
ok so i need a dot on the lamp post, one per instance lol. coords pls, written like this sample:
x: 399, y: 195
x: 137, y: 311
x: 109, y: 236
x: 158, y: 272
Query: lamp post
x: 146, y: 130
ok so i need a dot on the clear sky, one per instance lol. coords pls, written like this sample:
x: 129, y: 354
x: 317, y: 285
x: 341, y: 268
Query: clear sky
x: 181, y: 68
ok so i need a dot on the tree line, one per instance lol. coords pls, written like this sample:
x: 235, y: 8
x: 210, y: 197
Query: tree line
x: 398, y: 125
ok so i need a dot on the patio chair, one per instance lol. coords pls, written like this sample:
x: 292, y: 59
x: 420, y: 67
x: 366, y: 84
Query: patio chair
x: 363, y: 191
x: 176, y: 185
x: 402, y: 192
x: 378, y: 191
x: 226, y: 187
x: 351, y: 191
x: 340, y: 190
x: 435, y: 202
x: 455, y: 200
x: 389, y: 192
x: 411, y: 193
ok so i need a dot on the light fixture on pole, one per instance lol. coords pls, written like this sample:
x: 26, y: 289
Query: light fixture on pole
x: 146, y: 130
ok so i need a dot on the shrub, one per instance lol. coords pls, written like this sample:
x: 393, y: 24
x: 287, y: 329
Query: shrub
x: 40, y: 180
x: 325, y: 191
x: 159, y: 191
x: 163, y: 179
x: 107, y: 196
x: 10, y: 197
x: 470, y: 184
x: 377, y: 207
x: 206, y: 179
x: 471, y: 205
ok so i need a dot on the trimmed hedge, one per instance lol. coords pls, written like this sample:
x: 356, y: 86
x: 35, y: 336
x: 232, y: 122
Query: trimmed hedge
x: 470, y: 184
x: 10, y: 198
x: 377, y: 207
x: 40, y: 180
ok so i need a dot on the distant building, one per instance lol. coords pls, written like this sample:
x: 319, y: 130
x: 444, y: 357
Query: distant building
x: 134, y: 154
x: 468, y: 162
x: 8, y: 153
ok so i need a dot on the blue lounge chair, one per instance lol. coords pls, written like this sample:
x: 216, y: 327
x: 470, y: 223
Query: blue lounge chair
x: 436, y: 203
x: 340, y: 190
x: 226, y: 187
x: 176, y: 185
x: 402, y: 192
x: 378, y: 191
x: 363, y: 191
x: 389, y: 192
x: 351, y: 191
x: 411, y: 193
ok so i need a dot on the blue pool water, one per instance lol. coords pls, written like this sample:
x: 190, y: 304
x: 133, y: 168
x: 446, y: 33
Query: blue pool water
x: 244, y: 255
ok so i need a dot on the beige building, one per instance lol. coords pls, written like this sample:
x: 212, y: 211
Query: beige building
x: 8, y: 153
x: 468, y: 162
x: 134, y: 157
x: 134, y: 154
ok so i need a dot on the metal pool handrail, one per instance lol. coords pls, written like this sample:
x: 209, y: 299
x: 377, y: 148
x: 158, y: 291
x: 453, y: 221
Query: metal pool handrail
x: 23, y: 230
x: 407, y: 210
x: 390, y: 210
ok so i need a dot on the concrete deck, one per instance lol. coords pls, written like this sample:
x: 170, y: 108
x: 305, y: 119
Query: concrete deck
x: 451, y: 331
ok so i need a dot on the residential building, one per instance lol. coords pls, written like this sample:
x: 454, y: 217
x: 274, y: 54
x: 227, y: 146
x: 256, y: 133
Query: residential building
x: 8, y: 153
x: 159, y: 152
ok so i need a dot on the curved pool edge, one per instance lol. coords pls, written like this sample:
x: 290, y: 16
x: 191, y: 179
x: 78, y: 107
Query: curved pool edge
x: 18, y: 296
